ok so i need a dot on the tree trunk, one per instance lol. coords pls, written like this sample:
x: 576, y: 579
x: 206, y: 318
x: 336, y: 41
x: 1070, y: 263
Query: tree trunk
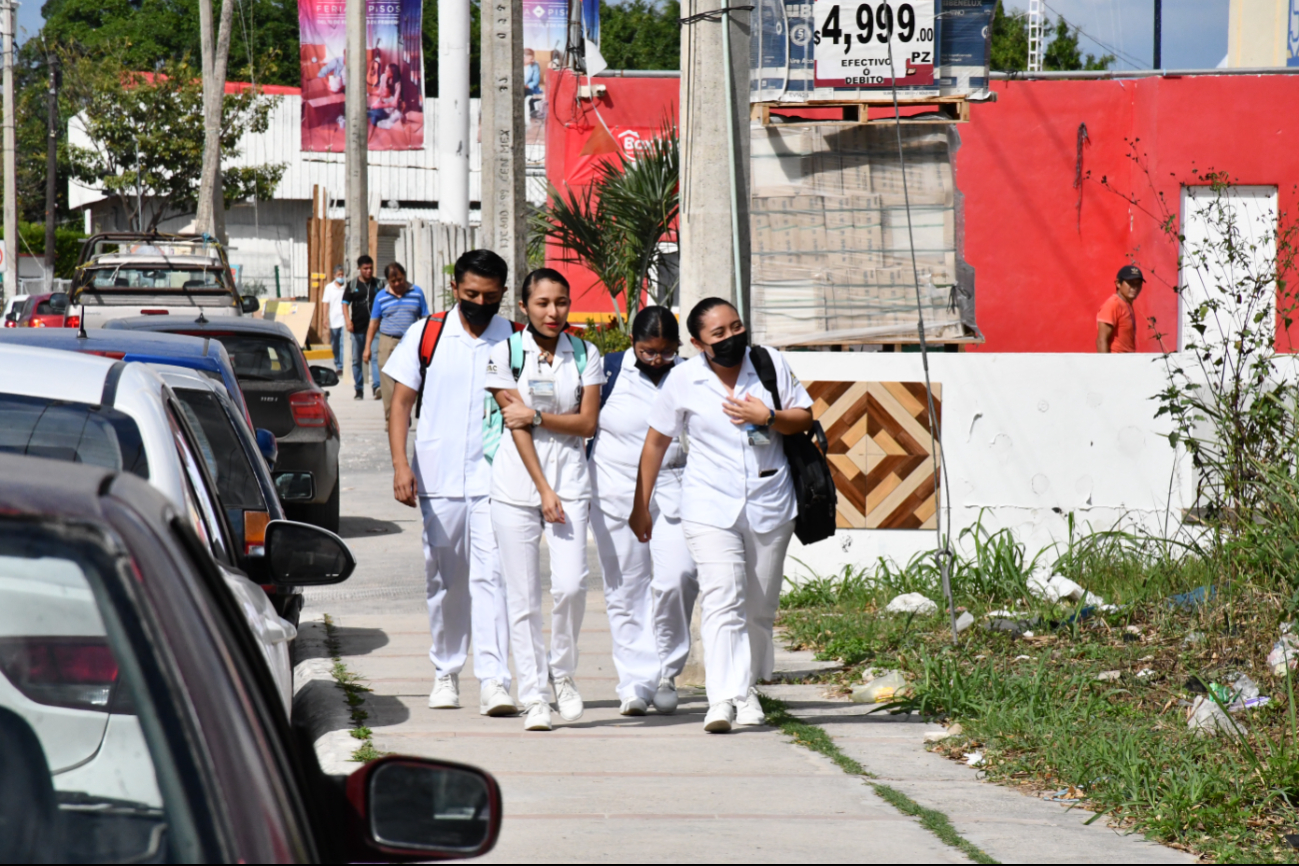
x: 211, y: 197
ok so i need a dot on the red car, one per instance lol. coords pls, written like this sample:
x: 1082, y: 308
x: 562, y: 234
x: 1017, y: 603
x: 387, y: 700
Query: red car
x: 46, y: 311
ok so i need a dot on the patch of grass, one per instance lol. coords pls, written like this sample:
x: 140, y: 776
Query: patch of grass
x: 1034, y: 707
x: 815, y: 738
x: 354, y: 692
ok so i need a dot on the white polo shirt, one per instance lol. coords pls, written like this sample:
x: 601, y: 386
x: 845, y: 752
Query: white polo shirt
x: 615, y: 456
x: 553, y: 388
x: 449, y: 461
x: 725, y: 474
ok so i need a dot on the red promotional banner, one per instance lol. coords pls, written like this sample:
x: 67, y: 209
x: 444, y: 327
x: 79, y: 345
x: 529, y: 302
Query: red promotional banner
x: 394, y: 74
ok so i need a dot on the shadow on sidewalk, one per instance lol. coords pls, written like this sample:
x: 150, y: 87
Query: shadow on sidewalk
x: 363, y: 527
x: 385, y: 710
x: 359, y: 641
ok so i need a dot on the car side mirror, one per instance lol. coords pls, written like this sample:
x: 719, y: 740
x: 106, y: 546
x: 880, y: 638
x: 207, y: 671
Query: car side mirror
x: 249, y: 304
x: 268, y: 446
x: 299, y: 554
x: 413, y: 809
x: 324, y: 377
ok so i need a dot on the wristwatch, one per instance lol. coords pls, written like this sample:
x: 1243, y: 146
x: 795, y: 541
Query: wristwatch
x: 771, y: 419
x: 536, y: 418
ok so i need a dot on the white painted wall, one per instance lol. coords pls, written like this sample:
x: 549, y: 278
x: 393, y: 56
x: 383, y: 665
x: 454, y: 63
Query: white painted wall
x: 1028, y: 439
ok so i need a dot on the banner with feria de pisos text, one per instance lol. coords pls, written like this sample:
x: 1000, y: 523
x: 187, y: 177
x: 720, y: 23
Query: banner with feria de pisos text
x: 394, y: 74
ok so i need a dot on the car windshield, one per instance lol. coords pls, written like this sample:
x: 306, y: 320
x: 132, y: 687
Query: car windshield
x: 55, y: 305
x: 222, y: 451
x: 258, y: 357
x: 80, y: 782
x: 135, y: 277
x: 74, y: 432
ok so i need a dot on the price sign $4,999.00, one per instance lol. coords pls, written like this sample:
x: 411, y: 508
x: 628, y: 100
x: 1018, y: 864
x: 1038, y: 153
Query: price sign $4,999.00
x: 853, y: 40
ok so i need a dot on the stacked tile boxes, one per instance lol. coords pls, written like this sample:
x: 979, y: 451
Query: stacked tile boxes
x: 831, y: 253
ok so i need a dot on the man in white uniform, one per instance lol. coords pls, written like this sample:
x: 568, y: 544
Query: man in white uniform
x: 451, y: 480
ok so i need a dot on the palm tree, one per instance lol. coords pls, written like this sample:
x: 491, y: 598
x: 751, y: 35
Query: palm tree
x: 613, y: 227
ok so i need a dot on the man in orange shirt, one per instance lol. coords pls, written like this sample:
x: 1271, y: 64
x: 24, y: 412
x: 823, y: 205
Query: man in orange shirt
x: 1116, y: 323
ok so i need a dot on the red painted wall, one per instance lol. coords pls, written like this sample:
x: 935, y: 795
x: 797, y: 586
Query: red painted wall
x: 1043, y: 264
x: 581, y: 134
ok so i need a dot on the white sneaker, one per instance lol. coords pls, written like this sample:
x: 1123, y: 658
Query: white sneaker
x: 494, y: 700
x: 570, y: 702
x: 633, y: 707
x: 749, y: 711
x: 665, y: 699
x: 719, y: 718
x: 446, y: 693
x: 538, y: 718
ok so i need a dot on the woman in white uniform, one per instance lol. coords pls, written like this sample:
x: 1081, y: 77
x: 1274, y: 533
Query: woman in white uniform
x: 547, y: 384
x: 737, y: 502
x: 649, y: 590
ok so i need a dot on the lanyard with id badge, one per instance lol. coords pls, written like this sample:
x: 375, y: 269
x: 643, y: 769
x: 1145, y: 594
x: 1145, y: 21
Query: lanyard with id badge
x: 541, y: 387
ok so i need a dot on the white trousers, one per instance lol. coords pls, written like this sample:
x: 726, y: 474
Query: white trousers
x: 740, y: 573
x: 462, y: 581
x: 518, y: 536
x: 675, y: 588
x: 636, y: 577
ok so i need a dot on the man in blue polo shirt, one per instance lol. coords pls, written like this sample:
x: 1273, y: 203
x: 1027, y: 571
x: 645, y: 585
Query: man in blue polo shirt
x: 395, y: 309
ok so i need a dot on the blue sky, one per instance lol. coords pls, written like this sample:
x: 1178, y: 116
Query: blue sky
x: 1195, y: 31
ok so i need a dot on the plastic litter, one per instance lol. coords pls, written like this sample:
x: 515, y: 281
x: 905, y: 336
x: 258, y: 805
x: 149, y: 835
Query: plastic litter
x: 912, y: 602
x: 964, y: 621
x: 880, y: 690
x: 1244, y: 688
x: 1014, y: 627
x: 1057, y: 588
x: 1108, y: 676
x: 1132, y: 629
x: 1206, y: 717
x: 974, y: 759
x: 1145, y: 673
x: 1193, y: 599
x: 1029, y: 634
x: 1248, y: 704
x: 1284, y: 656
x: 1070, y: 794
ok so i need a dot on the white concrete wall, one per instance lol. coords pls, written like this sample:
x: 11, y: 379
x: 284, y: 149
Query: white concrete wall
x: 1028, y: 439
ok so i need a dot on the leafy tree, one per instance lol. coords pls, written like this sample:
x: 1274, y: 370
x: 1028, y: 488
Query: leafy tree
x: 641, y: 34
x: 1009, y: 51
x: 146, y: 135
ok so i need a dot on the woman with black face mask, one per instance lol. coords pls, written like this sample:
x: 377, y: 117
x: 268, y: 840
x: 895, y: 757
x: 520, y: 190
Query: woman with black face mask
x: 649, y: 590
x: 737, y: 500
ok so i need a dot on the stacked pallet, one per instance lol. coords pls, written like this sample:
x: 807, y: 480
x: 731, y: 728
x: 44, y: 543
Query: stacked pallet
x: 832, y: 235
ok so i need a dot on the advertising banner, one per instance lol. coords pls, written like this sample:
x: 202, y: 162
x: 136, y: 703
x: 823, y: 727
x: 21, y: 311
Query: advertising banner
x: 858, y: 45
x: 394, y: 74
x: 545, y: 36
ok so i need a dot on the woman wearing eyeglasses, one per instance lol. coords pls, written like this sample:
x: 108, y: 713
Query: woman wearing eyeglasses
x: 649, y: 589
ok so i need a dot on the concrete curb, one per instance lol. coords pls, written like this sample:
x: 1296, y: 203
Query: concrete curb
x: 318, y: 702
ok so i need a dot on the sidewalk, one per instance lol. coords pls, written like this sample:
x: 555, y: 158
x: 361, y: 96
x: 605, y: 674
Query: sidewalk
x: 608, y: 788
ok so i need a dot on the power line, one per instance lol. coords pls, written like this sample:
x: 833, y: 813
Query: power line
x: 1117, y: 52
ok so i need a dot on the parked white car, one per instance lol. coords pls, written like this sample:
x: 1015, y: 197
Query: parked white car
x: 88, y: 409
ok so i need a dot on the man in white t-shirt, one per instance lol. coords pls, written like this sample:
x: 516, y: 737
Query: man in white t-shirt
x: 333, y: 301
x: 450, y: 480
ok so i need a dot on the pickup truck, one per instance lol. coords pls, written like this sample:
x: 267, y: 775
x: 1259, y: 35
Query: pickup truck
x: 145, y: 273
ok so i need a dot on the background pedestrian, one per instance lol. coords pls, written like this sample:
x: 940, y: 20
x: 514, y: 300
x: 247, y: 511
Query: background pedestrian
x: 1116, y: 322
x: 333, y: 301
x: 395, y: 309
x: 358, y: 298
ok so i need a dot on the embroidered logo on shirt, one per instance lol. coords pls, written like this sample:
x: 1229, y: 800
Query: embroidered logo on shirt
x: 491, y: 367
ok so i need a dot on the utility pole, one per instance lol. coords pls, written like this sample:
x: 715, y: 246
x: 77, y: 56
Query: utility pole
x: 8, y: 9
x: 356, y: 145
x: 211, y: 217
x: 1159, y: 26
x: 453, y: 113
x: 504, y: 205
x: 51, y: 170
x: 714, y: 232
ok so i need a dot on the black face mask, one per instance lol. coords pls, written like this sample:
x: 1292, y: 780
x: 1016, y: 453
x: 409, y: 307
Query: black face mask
x: 655, y: 374
x: 730, y: 352
x: 537, y: 335
x: 478, y: 315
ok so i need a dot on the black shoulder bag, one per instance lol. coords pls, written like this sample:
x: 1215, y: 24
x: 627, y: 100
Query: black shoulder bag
x: 808, y: 468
